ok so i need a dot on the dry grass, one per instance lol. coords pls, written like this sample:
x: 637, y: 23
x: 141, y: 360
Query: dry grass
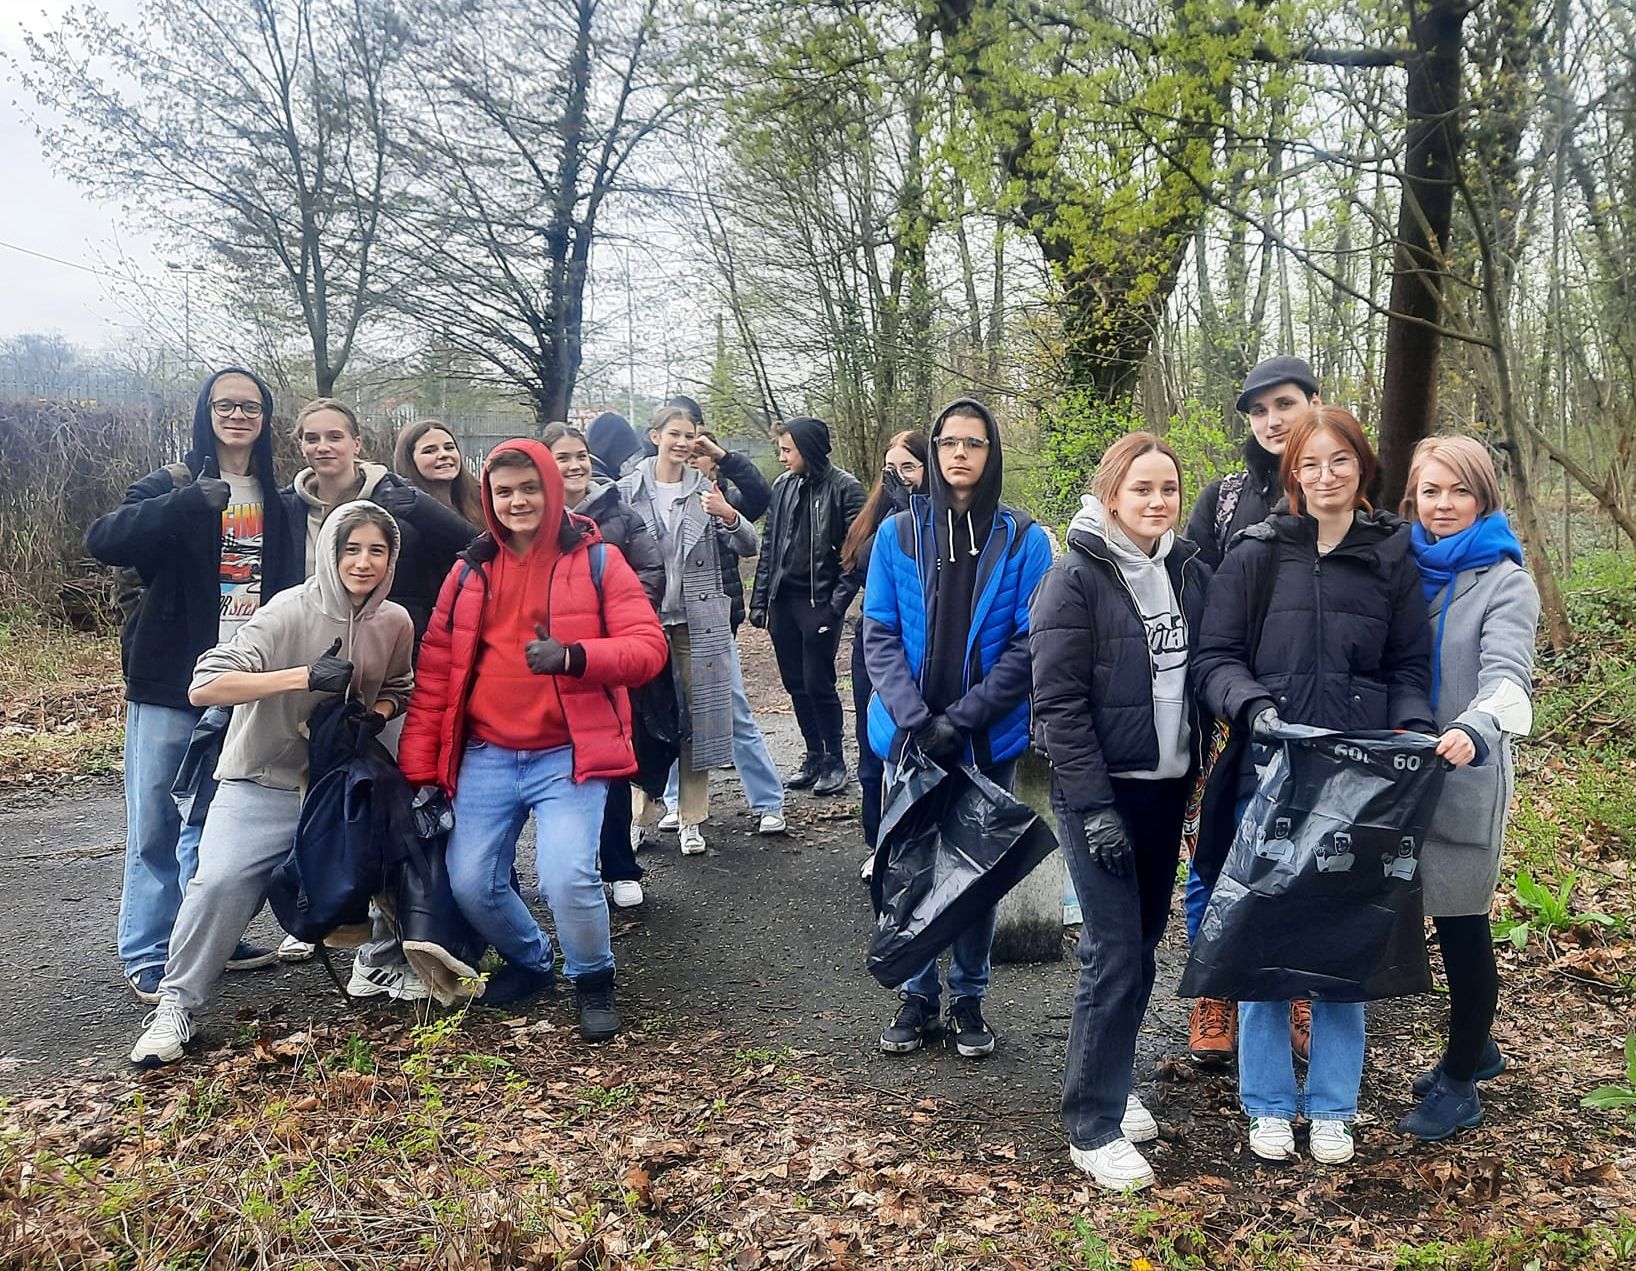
x: 61, y: 704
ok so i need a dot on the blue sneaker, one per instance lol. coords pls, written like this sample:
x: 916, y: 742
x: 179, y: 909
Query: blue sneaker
x: 1449, y: 1106
x: 1490, y: 1064
x: 249, y: 957
x: 145, y: 983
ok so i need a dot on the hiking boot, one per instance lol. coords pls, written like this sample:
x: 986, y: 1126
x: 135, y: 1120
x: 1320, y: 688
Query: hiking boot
x: 1138, y: 1125
x: 1490, y: 1064
x: 1448, y: 1106
x: 396, y: 982
x: 1272, y: 1138
x: 293, y: 949
x: 810, y: 770
x: 669, y: 822
x: 165, y: 1034
x: 250, y: 957
x: 1331, y: 1142
x: 626, y: 893
x: 1117, y: 1166
x: 915, y: 1024
x: 972, y: 1037
x: 833, y: 777
x: 145, y: 983
x: 692, y: 841
x: 598, y: 1019
x: 513, y: 983
x: 771, y: 823
x: 1300, y: 1029
x: 1212, y: 1031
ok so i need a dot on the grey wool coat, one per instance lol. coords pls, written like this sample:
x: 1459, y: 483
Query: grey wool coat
x: 1486, y: 665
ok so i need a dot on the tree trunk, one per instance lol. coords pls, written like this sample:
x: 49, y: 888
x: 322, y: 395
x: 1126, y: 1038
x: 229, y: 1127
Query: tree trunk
x: 1432, y: 143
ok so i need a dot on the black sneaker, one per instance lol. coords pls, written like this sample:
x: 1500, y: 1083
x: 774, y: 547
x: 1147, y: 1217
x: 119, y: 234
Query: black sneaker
x: 1490, y: 1064
x: 513, y: 983
x: 832, y: 776
x: 811, y: 767
x: 972, y: 1037
x: 915, y: 1024
x: 598, y: 1018
x: 249, y: 957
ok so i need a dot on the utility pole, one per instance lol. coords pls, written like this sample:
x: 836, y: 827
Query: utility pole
x: 187, y: 271
x: 630, y: 341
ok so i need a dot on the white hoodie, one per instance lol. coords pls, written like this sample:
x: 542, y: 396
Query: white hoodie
x: 1166, y: 625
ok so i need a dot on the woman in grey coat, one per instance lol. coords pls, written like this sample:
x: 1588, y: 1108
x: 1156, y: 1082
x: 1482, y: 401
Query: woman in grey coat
x: 1484, y: 609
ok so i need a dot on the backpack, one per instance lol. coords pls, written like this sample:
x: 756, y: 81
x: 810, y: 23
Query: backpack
x: 1227, y: 497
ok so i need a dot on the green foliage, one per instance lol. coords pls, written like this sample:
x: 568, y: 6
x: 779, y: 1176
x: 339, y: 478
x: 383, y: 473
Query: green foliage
x: 1073, y: 438
x: 1620, y: 1097
x: 1545, y: 911
x: 1202, y: 443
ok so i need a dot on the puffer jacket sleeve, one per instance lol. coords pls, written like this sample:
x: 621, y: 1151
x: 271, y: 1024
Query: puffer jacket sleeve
x: 1009, y: 680
x: 639, y: 652
x: 849, y: 500
x: 140, y: 531
x: 641, y: 552
x: 1223, y: 679
x: 1062, y: 640
x: 883, y: 652
x: 1406, y: 660
x: 423, y: 731
x: 1505, y: 670
x: 750, y: 492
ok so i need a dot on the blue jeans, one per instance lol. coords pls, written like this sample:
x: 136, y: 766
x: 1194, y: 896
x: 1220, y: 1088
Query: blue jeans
x: 763, y: 787
x: 497, y: 790
x: 1266, y: 1065
x: 968, y: 955
x: 1195, y: 900
x: 161, y: 853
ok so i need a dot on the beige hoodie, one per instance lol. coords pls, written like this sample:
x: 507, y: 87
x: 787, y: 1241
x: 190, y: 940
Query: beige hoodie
x: 306, y: 488
x: 267, y: 739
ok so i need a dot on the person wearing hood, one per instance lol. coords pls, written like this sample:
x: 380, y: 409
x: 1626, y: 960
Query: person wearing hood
x: 433, y: 533
x: 1316, y: 616
x: 1110, y: 631
x: 622, y: 529
x: 801, y: 592
x: 696, y: 526
x: 336, y: 633
x: 903, y: 473
x: 612, y: 442
x: 205, y: 542
x: 520, y: 706
x: 945, y: 618
x: 1484, y: 610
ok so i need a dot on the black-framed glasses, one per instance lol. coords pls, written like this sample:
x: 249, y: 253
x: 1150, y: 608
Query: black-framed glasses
x: 224, y: 409
x: 974, y: 444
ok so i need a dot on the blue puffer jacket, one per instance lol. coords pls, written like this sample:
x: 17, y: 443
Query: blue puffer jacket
x: 897, y: 613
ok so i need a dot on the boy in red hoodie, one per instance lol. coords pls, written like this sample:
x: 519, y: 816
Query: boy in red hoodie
x: 519, y: 706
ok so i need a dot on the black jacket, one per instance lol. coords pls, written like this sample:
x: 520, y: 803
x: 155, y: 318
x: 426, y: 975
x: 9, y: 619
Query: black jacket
x: 173, y: 539
x: 1258, y: 495
x: 1093, y: 672
x: 622, y: 527
x: 1345, y: 644
x: 834, y: 499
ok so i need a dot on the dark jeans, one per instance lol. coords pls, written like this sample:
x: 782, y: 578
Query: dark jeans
x: 806, y: 664
x: 1124, y: 919
x: 871, y: 771
x: 614, y: 850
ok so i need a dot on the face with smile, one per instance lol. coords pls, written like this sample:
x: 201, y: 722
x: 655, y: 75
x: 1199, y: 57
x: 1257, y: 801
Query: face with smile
x: 437, y: 456
x: 789, y: 454
x: 909, y: 469
x: 1329, y: 474
x: 674, y: 438
x: 329, y: 446
x: 243, y: 420
x: 364, y: 558
x: 1274, y: 411
x: 1148, y: 500
x: 1443, y: 502
x: 518, y: 498
x: 962, y: 453
x: 574, y: 462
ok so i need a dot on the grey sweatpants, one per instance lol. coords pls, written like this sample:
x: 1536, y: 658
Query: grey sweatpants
x: 247, y: 833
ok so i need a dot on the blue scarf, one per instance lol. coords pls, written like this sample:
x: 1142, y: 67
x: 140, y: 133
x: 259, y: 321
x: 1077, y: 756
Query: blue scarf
x: 1486, y: 542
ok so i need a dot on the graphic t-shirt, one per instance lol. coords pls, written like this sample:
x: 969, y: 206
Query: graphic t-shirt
x: 242, y: 522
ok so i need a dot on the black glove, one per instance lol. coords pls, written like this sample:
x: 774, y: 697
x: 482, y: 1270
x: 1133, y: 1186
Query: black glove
x: 939, y: 739
x: 371, y: 723
x: 208, y: 489
x: 433, y: 813
x: 330, y: 674
x: 1266, y: 723
x: 399, y: 500
x: 1109, y: 844
x: 758, y: 618
x: 546, y: 656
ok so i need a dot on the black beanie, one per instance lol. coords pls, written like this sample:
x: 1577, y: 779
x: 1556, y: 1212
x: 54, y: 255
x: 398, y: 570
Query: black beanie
x: 811, y: 437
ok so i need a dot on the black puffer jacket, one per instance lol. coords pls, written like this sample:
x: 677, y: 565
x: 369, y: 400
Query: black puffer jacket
x: 834, y: 497
x: 1345, y: 644
x: 1093, y: 672
x: 622, y: 526
x: 1258, y: 494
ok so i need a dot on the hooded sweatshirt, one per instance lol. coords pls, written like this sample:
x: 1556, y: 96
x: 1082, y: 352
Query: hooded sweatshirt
x: 960, y: 537
x: 266, y: 741
x: 1150, y: 589
x: 811, y: 438
x: 611, y: 441
x: 306, y: 489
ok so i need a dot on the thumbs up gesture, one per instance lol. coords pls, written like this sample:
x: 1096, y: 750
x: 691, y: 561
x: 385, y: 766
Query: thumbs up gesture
x: 715, y: 503
x: 546, y: 656
x: 211, y: 488
x: 330, y: 673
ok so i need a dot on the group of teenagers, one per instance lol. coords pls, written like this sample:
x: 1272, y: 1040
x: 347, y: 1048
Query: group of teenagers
x: 502, y: 665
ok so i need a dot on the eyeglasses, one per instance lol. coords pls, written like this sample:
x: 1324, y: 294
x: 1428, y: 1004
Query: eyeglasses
x: 950, y: 444
x: 902, y: 470
x: 1341, y: 466
x: 250, y: 410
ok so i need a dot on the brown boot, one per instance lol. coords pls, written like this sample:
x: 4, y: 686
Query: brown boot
x: 1300, y: 1029
x: 1213, y: 1031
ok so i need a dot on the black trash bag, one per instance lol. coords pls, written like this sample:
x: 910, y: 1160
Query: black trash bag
x: 952, y: 843
x: 195, y: 784
x: 656, y: 732
x: 437, y: 940
x: 1320, y: 896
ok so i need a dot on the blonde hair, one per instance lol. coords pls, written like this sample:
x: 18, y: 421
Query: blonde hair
x: 1468, y: 459
x: 1118, y: 459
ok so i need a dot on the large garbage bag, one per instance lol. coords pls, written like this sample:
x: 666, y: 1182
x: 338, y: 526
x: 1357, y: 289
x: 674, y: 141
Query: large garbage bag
x: 656, y: 732
x: 438, y: 942
x: 1320, y: 895
x: 195, y: 784
x: 952, y: 843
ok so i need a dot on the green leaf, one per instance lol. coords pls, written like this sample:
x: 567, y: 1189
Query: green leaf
x: 1630, y: 1056
x: 1610, y: 1098
x: 1531, y: 893
x: 1519, y: 936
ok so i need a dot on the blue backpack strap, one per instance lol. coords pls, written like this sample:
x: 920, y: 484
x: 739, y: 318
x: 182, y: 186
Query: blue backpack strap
x: 599, y: 558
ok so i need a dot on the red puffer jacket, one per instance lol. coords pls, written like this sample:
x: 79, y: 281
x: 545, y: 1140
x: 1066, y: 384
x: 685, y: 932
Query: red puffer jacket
x: 616, y: 627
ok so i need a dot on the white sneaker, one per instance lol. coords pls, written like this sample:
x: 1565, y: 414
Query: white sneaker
x: 1117, y: 1166
x: 1331, y: 1142
x: 692, y: 841
x: 1272, y: 1138
x: 866, y: 868
x: 293, y: 950
x: 636, y: 838
x: 771, y: 823
x: 165, y: 1033
x: 1138, y: 1125
x: 397, y: 982
x: 669, y: 823
x: 627, y: 893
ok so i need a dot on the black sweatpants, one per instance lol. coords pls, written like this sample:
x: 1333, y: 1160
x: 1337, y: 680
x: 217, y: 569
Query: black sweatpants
x: 871, y: 771
x: 618, y: 861
x: 806, y: 664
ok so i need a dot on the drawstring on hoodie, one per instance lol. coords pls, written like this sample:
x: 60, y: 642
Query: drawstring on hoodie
x: 971, y: 534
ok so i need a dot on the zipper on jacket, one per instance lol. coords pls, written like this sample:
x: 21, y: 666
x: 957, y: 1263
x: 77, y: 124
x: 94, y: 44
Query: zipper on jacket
x: 1318, y: 625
